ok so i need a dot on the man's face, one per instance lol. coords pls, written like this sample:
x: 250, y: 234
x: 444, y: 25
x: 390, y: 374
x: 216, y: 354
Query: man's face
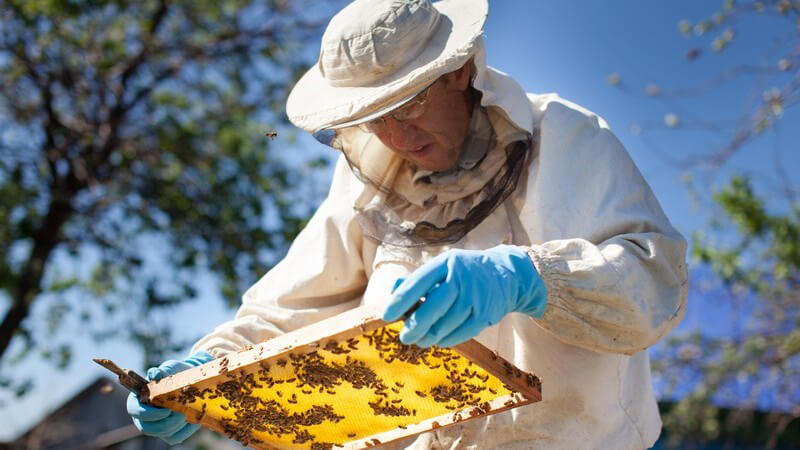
x: 433, y: 140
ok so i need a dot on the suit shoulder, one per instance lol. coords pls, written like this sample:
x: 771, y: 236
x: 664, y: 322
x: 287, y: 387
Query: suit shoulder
x: 551, y: 109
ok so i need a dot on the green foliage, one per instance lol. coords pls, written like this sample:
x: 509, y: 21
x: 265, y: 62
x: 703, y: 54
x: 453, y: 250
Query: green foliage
x: 773, y: 241
x: 766, y: 257
x: 755, y: 254
x: 133, y: 161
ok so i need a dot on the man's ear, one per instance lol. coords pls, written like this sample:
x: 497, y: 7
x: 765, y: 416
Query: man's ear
x: 459, y: 79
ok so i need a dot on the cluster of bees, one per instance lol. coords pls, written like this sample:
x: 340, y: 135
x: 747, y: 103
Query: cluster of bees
x: 313, y: 374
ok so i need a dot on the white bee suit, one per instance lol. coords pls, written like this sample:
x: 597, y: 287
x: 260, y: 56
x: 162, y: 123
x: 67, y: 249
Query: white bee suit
x: 613, y: 265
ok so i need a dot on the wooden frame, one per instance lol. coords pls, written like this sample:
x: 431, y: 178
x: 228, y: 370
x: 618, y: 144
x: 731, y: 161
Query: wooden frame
x: 525, y: 387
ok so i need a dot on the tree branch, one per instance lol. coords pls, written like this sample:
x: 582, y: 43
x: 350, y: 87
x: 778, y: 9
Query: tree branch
x: 24, y: 292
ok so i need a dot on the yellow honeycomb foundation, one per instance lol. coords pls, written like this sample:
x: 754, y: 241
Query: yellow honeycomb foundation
x: 351, y: 392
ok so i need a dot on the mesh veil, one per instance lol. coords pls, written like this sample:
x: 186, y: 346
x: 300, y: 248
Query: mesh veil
x: 396, y: 209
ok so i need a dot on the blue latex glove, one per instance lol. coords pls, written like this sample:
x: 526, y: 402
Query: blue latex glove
x: 466, y: 291
x: 168, y: 425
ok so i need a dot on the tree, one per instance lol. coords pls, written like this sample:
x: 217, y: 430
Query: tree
x: 133, y: 160
x: 753, y: 247
x: 759, y: 266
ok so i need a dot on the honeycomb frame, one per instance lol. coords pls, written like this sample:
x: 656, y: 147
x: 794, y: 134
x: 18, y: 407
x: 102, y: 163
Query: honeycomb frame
x: 311, y: 352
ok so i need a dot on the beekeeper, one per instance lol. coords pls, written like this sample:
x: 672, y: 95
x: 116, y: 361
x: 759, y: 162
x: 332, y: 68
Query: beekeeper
x: 520, y: 219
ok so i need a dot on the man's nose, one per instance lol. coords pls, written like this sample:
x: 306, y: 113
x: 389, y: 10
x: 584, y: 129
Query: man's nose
x: 401, y: 134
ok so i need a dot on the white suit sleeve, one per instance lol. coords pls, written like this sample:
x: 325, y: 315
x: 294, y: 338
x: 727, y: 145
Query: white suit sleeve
x: 322, y: 275
x: 613, y: 265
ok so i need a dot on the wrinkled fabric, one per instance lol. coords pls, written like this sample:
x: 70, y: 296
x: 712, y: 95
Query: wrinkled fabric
x: 613, y: 266
x: 376, y: 55
x: 361, y: 54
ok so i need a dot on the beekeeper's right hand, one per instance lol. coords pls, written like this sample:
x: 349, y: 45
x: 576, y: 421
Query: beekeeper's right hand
x: 168, y: 425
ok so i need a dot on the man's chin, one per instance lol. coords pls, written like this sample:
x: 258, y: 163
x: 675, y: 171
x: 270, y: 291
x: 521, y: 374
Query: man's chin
x: 427, y: 159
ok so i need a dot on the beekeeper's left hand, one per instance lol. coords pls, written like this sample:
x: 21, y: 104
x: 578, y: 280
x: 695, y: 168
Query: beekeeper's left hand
x: 464, y: 292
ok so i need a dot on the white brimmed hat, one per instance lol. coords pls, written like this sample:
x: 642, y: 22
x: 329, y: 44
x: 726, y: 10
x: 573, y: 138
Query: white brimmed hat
x: 378, y: 54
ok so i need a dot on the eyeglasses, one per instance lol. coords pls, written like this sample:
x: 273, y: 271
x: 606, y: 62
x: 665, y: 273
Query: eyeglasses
x: 409, y: 111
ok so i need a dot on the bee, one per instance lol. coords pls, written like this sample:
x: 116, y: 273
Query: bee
x: 272, y: 134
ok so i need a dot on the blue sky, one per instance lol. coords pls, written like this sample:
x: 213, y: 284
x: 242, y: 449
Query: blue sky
x: 569, y: 47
